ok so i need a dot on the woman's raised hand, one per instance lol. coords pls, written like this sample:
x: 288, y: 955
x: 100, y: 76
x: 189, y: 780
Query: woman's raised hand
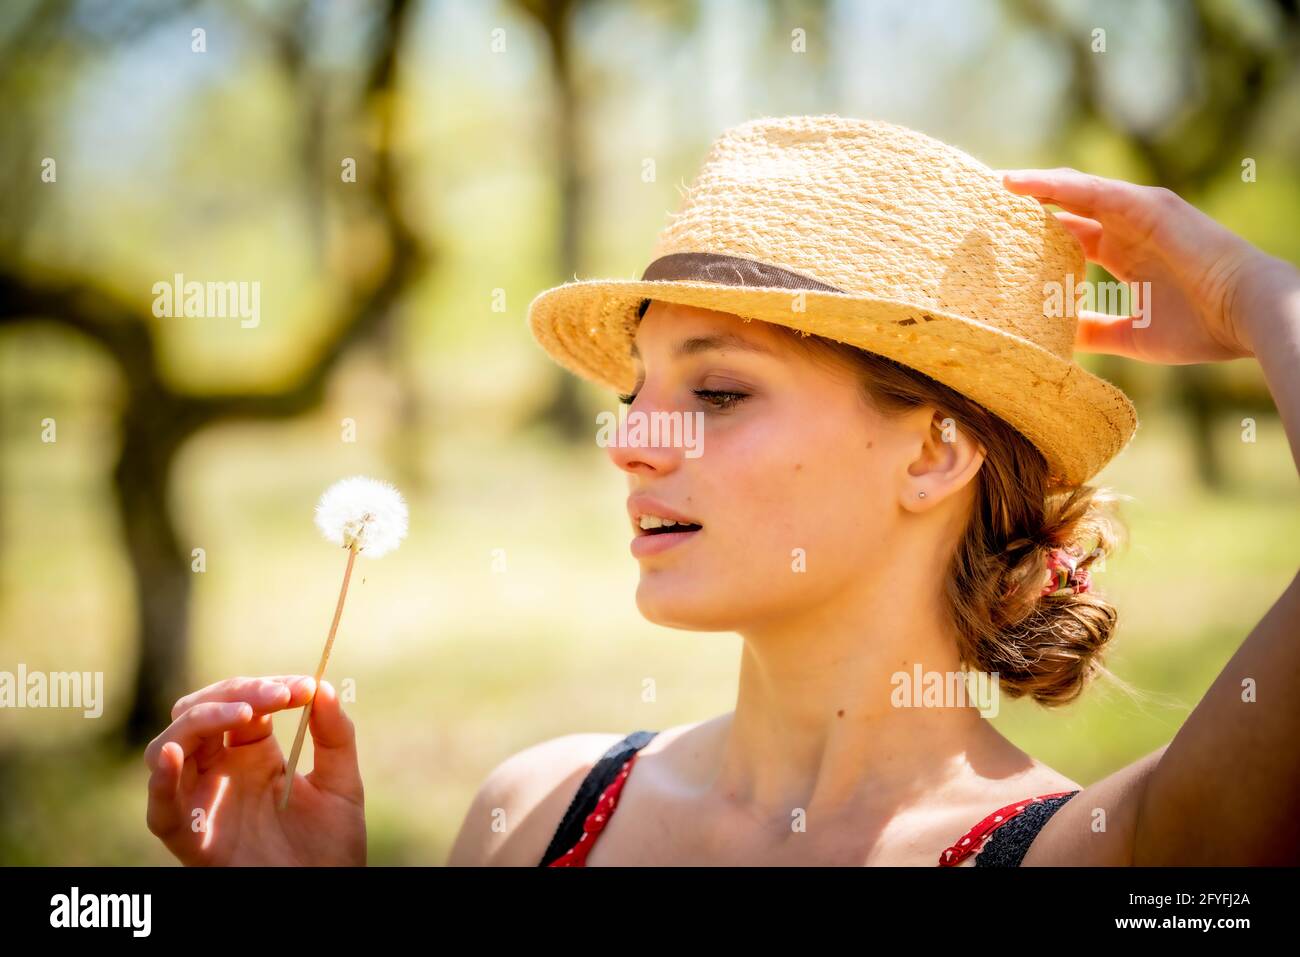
x: 218, y: 775
x: 1204, y: 279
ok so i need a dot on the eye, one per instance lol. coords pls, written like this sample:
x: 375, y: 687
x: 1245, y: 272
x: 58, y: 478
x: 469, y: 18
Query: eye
x: 720, y: 399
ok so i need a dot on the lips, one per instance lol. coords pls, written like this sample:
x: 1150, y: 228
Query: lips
x: 646, y: 545
x: 654, y: 541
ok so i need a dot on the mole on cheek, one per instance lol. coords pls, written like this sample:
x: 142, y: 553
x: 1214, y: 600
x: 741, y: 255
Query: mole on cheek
x: 868, y: 445
x: 798, y: 466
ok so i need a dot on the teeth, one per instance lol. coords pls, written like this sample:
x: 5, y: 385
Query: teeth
x: 654, y: 521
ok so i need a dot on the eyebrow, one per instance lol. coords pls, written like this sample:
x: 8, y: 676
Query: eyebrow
x: 697, y: 344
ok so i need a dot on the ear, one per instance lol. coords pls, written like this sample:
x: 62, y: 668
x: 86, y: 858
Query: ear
x: 946, y: 459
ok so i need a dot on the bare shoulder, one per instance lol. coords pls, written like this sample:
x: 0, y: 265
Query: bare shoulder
x: 520, y: 803
x: 1096, y: 827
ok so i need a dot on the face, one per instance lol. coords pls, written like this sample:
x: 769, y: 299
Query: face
x: 795, y: 471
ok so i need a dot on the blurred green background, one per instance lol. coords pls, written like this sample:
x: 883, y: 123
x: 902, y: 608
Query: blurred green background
x: 502, y: 148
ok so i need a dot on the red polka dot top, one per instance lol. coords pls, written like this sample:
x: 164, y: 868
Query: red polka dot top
x: 1001, y: 839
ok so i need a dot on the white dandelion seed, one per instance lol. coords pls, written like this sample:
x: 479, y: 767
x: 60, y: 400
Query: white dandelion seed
x: 367, y: 517
x: 364, y: 512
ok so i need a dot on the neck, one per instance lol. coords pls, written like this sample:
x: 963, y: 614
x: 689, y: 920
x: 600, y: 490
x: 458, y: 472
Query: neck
x: 816, y: 718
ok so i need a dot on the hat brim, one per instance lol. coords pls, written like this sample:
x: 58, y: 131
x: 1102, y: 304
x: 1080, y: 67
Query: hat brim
x: 1078, y: 420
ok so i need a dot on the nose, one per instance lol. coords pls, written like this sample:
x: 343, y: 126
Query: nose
x: 643, y: 440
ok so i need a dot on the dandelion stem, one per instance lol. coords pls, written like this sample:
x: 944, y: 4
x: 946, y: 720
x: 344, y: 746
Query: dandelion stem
x: 320, y: 671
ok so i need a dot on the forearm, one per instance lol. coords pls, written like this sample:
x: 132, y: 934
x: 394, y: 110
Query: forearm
x: 1270, y: 323
x: 1227, y: 788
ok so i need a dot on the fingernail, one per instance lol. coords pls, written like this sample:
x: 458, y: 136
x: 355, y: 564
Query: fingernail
x: 305, y: 684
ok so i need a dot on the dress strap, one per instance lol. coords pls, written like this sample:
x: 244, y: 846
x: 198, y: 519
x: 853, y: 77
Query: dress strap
x: 604, y: 773
x: 1013, y: 829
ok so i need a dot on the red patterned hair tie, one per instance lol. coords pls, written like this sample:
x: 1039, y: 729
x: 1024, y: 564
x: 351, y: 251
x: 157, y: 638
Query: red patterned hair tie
x: 1064, y: 577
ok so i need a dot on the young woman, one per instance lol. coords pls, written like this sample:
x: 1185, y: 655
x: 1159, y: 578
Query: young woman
x: 853, y: 519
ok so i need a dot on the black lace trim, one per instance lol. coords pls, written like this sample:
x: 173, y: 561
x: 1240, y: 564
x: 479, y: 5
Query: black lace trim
x: 1008, y: 845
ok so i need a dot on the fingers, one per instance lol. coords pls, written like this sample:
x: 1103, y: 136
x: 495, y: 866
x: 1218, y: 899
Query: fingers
x: 164, y: 814
x: 206, y: 720
x: 209, y: 750
x: 300, y: 693
x: 264, y: 694
x: 256, y: 730
x: 333, y: 735
x: 1111, y: 335
x: 239, y: 707
x: 1086, y: 231
x: 1093, y: 197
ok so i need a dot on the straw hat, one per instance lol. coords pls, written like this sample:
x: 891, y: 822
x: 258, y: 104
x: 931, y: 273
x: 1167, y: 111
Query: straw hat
x: 880, y: 237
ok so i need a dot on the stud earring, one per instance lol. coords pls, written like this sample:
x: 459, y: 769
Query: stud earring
x: 921, y: 495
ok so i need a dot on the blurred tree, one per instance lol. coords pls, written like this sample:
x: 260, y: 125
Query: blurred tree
x: 1232, y: 83
x: 555, y: 19
x: 157, y: 418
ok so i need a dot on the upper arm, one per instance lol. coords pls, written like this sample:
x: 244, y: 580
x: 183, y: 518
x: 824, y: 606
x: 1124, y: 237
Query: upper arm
x: 519, y: 805
x: 1096, y: 827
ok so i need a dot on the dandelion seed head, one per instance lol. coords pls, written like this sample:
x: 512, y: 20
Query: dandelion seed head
x: 363, y: 511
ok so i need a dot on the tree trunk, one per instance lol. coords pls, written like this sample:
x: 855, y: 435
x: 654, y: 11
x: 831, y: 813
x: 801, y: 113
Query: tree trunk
x: 564, y: 410
x: 160, y: 571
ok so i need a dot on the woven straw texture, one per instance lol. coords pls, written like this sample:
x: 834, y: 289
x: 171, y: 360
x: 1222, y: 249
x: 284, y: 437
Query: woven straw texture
x: 935, y: 263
